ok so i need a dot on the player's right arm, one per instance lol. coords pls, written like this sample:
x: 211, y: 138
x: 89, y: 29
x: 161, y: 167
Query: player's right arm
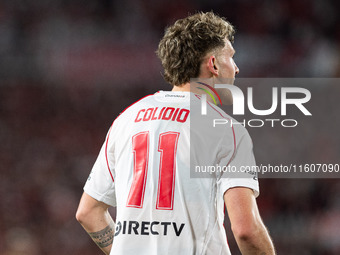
x: 99, y: 195
x: 95, y: 218
x: 249, y: 231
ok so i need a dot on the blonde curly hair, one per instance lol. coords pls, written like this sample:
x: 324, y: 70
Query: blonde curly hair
x: 186, y: 43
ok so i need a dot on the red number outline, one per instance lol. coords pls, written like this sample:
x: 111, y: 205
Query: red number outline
x: 167, y: 146
x: 140, y: 148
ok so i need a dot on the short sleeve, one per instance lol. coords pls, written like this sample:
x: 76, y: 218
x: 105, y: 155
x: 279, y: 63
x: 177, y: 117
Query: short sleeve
x: 237, y: 172
x: 100, y: 183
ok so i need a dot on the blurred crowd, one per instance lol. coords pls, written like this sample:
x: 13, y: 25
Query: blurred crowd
x: 68, y: 68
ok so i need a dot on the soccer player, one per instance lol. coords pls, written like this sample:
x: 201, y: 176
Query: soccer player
x: 143, y: 167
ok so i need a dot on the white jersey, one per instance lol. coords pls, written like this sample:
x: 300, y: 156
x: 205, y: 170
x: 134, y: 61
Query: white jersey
x: 143, y: 169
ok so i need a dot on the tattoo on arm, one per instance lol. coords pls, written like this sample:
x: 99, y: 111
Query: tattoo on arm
x: 104, y: 237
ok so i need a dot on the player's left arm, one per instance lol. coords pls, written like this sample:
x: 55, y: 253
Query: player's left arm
x: 248, y: 228
x: 95, y: 218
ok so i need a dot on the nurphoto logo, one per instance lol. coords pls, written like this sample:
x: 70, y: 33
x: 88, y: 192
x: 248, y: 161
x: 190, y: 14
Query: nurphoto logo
x: 295, y: 96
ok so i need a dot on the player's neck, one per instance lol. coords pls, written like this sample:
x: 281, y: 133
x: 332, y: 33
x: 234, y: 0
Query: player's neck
x: 182, y: 87
x: 185, y: 87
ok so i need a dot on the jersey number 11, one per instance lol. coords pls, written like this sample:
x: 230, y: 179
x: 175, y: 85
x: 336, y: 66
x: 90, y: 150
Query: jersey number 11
x: 167, y: 146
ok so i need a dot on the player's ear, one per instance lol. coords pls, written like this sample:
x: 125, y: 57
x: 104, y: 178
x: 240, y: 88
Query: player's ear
x: 212, y: 65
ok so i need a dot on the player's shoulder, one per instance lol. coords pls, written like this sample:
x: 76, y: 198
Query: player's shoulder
x: 228, y: 121
x: 143, y: 102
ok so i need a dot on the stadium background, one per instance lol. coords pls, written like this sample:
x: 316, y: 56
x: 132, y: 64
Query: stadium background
x: 69, y: 67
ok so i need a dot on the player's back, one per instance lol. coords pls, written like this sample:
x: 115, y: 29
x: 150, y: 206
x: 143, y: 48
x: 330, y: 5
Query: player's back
x: 161, y: 209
